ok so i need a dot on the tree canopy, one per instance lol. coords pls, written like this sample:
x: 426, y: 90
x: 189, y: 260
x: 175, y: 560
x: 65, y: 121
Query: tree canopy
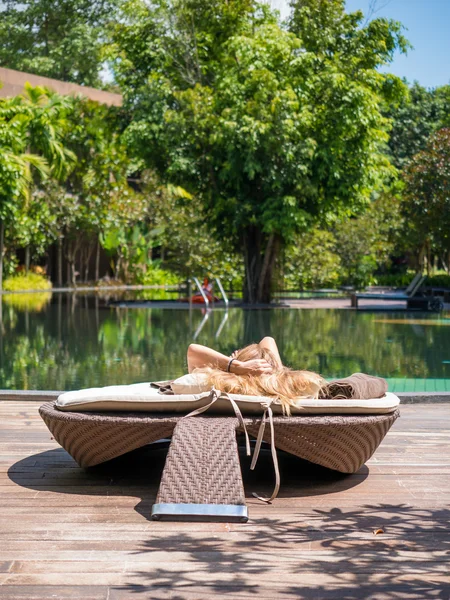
x: 427, y: 197
x: 419, y: 114
x: 31, y: 128
x: 270, y: 128
x: 63, y: 39
x: 244, y: 143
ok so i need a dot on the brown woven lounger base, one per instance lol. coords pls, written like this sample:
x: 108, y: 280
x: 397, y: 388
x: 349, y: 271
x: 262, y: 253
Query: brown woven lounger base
x: 202, y: 478
x: 202, y: 466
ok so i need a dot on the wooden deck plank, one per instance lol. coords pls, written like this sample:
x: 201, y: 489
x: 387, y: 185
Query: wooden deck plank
x: 70, y: 533
x: 47, y: 592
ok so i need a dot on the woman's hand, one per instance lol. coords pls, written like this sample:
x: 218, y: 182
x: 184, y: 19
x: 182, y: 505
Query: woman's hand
x: 257, y: 366
x: 235, y: 354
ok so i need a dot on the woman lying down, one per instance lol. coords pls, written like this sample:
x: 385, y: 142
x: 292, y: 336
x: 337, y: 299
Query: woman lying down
x: 257, y: 370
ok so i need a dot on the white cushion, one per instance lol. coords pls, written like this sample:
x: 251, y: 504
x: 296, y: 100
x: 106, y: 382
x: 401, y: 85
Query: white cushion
x: 143, y: 398
x: 388, y: 403
x: 192, y: 383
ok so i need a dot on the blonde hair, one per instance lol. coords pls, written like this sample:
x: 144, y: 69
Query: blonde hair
x: 283, y: 383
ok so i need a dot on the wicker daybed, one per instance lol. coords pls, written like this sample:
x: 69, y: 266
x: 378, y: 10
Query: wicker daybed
x: 202, y: 476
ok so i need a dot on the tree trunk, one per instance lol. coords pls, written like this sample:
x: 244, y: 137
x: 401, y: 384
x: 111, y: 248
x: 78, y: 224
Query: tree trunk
x: 117, y: 270
x: 72, y: 249
x: 97, y: 263
x: 428, y: 258
x: 73, y: 273
x: 421, y: 258
x: 48, y: 267
x: 2, y: 244
x: 260, y: 253
x: 445, y: 263
x: 27, y: 259
x: 59, y: 261
x: 88, y: 255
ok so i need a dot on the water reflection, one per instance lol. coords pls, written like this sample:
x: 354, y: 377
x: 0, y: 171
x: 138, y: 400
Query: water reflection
x: 77, y: 341
x: 34, y: 302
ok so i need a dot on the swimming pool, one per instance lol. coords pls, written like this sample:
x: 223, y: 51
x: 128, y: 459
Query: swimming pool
x: 75, y: 341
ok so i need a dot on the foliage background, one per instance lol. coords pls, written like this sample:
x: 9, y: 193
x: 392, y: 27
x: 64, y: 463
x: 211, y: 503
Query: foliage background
x: 240, y: 137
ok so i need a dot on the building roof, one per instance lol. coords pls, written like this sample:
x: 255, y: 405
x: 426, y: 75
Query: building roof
x: 13, y: 83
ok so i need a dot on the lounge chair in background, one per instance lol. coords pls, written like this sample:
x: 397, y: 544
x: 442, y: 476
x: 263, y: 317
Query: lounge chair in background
x: 406, y: 295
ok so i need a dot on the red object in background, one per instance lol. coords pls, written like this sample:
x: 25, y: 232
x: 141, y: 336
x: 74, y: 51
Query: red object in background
x: 197, y: 298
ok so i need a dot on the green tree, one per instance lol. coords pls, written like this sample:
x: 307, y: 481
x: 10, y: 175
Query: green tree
x: 15, y: 165
x: 418, y: 114
x: 351, y: 250
x: 443, y: 98
x: 86, y: 193
x: 57, y: 39
x: 95, y: 201
x: 366, y: 243
x: 31, y: 128
x: 268, y: 128
x: 184, y: 239
x: 311, y: 261
x: 47, y: 126
x: 426, y: 204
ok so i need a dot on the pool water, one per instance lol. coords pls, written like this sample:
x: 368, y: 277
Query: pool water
x: 66, y: 342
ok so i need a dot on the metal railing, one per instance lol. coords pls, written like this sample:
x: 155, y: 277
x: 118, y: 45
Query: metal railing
x: 222, y: 291
x: 202, y: 292
x: 204, y: 296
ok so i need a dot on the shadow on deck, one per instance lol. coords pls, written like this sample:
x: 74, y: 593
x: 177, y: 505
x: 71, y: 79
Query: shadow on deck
x: 380, y: 534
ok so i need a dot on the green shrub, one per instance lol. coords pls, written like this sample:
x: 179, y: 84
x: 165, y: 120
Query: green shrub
x: 157, y: 276
x: 394, y: 279
x: 441, y: 280
x: 26, y: 281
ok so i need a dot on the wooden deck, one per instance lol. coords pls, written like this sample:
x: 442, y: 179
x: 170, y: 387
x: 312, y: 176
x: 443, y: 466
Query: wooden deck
x: 69, y: 533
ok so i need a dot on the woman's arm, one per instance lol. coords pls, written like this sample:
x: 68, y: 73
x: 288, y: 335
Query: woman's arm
x: 270, y: 344
x: 201, y: 356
